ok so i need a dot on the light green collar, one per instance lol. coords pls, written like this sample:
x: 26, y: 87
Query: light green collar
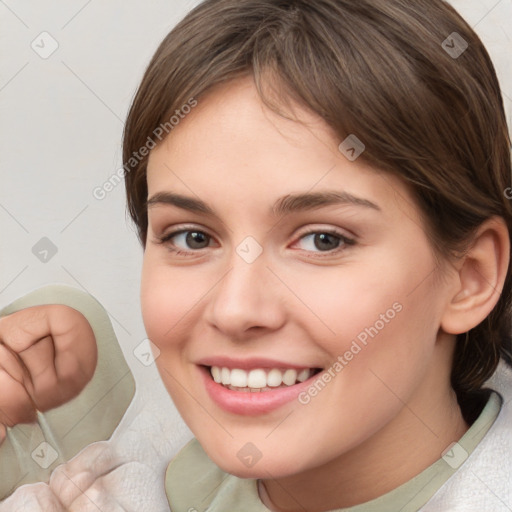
x: 194, y: 483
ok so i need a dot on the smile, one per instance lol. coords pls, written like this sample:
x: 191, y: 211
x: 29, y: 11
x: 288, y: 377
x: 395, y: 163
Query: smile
x: 254, y: 390
x: 259, y: 379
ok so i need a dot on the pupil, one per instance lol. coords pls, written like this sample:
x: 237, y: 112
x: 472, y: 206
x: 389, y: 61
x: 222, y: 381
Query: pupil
x: 194, y: 239
x: 326, y: 241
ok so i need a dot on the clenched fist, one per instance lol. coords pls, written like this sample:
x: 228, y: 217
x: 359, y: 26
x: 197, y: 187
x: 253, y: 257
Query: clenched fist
x: 47, y: 356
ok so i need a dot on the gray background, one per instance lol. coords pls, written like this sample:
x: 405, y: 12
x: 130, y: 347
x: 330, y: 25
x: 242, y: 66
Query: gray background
x: 60, y: 137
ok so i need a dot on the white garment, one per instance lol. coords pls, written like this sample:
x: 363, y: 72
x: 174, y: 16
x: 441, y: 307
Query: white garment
x: 484, y: 482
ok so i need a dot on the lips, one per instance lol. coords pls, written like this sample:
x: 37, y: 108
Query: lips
x: 254, y: 387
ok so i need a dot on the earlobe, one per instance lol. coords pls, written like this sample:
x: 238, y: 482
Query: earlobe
x: 480, y: 278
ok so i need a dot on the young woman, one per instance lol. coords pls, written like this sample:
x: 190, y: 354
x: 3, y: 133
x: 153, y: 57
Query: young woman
x: 320, y: 191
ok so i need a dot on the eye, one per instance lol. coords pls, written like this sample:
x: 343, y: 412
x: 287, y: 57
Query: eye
x: 184, y: 241
x: 324, y: 241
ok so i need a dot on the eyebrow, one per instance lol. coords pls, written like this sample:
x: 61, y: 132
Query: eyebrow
x: 184, y: 202
x: 291, y: 203
x: 310, y: 201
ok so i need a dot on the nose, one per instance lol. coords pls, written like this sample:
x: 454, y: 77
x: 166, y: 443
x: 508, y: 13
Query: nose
x: 246, y: 301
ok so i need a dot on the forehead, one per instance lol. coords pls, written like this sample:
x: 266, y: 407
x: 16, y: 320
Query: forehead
x: 231, y: 123
x: 232, y: 145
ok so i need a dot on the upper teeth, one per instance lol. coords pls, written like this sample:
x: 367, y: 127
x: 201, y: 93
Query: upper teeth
x: 259, y: 378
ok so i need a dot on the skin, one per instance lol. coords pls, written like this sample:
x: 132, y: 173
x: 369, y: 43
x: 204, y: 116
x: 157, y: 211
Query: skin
x: 47, y: 356
x: 100, y: 477
x: 391, y: 412
x: 357, y: 438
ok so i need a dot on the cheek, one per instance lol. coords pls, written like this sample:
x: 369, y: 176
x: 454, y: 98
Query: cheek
x: 171, y: 299
x: 152, y: 298
x: 349, y: 304
x: 394, y: 350
x: 164, y: 311
x: 381, y: 316
x: 161, y: 302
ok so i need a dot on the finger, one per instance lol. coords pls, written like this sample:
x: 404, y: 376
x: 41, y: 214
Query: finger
x: 100, y: 458
x: 24, y: 328
x: 69, y: 487
x: 28, y: 355
x: 11, y: 363
x: 76, y: 352
x: 94, y: 499
x: 16, y: 405
x: 70, y: 480
x: 33, y: 497
x: 131, y: 487
x: 47, y: 387
x: 57, y: 347
x: 75, y: 344
x: 44, y: 386
x: 69, y: 329
x: 47, y: 500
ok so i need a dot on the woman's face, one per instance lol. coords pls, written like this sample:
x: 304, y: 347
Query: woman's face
x: 270, y: 255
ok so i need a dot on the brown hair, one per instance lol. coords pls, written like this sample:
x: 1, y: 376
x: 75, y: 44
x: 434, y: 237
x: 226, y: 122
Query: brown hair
x: 375, y: 69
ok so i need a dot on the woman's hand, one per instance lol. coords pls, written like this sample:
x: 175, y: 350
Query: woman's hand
x: 47, y: 356
x: 33, y: 497
x: 99, y: 478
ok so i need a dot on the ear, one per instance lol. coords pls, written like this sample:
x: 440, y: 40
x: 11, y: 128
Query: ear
x: 479, y: 278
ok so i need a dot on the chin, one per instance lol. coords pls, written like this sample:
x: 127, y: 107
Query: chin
x: 263, y: 469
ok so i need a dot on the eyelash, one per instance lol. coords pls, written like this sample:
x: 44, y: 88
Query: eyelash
x: 344, y: 240
x: 165, y: 239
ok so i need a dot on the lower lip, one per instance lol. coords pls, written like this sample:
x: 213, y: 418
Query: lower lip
x: 250, y: 403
